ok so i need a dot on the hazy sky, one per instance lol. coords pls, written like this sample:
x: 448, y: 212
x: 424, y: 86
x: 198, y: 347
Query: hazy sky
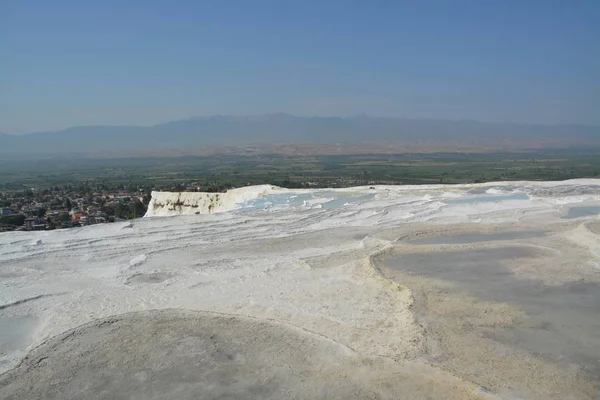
x: 65, y: 63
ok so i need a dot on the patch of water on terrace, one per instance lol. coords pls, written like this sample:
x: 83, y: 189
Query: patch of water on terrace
x: 580, y: 212
x: 490, y: 198
x: 342, y: 201
x: 15, y: 333
x: 563, y: 322
x: 465, y: 238
x: 277, y: 200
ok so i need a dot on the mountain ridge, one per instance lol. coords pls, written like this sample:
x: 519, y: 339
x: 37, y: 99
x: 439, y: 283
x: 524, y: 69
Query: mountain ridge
x: 281, y: 128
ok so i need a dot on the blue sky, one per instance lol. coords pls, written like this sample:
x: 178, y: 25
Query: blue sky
x: 66, y: 63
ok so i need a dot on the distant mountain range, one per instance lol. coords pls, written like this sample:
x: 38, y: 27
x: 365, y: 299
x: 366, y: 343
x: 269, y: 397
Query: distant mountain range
x: 279, y: 129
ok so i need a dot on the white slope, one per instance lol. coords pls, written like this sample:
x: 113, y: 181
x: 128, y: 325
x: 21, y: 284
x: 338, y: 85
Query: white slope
x: 298, y: 257
x: 269, y: 197
x: 172, y: 203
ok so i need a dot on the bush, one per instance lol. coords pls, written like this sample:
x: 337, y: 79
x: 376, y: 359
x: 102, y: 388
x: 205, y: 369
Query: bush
x: 16, y: 220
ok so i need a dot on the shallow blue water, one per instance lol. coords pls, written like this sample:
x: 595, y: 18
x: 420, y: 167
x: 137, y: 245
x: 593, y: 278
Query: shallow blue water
x: 277, y: 200
x: 489, y: 198
x: 464, y: 238
x: 484, y: 190
x: 562, y: 321
x: 295, y: 200
x: 578, y: 212
x: 347, y: 199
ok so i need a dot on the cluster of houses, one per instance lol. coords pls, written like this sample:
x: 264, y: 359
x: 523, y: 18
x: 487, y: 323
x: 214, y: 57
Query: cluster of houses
x: 46, y: 214
x: 53, y: 219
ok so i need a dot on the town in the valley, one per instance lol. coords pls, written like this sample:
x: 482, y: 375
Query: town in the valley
x: 70, y: 206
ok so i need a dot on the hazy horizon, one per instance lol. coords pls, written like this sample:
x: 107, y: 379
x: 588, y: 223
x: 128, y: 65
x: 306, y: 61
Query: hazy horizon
x: 67, y: 64
x: 271, y: 114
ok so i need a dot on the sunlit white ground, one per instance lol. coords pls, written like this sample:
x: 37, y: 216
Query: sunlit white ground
x: 299, y: 258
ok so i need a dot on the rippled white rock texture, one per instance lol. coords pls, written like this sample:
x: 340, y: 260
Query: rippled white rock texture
x: 297, y: 257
